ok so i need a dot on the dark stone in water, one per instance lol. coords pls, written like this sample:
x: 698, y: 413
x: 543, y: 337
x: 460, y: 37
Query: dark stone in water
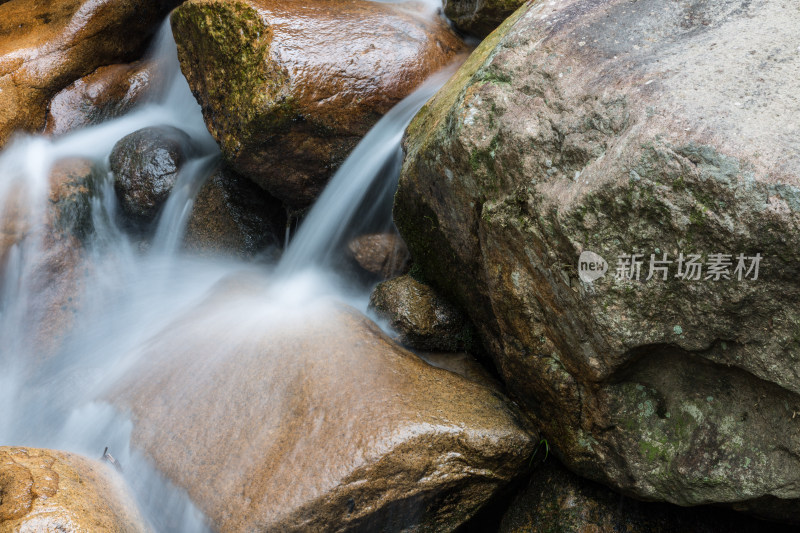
x: 145, y: 166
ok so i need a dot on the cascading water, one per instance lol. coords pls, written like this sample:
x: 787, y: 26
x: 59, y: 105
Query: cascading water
x: 131, y: 294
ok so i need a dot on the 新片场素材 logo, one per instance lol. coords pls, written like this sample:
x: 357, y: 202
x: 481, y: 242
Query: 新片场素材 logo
x: 663, y: 266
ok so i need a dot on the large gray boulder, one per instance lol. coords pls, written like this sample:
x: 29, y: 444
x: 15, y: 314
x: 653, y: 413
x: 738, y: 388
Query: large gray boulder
x: 617, y: 128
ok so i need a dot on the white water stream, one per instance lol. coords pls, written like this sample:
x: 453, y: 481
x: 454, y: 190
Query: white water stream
x: 131, y: 293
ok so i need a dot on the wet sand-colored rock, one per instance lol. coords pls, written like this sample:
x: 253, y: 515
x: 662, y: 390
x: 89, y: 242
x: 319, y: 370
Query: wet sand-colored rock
x: 45, y: 46
x: 278, y: 418
x: 288, y: 88
x: 49, y: 490
x: 106, y: 93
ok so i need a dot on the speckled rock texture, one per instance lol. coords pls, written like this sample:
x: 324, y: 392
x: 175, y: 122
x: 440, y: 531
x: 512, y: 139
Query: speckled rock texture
x: 556, y: 500
x: 48, y: 490
x: 275, y: 418
x: 106, y: 93
x: 382, y: 254
x: 479, y: 17
x: 622, y: 128
x: 288, y: 88
x: 45, y: 46
x: 232, y: 215
x: 146, y: 164
x: 421, y: 318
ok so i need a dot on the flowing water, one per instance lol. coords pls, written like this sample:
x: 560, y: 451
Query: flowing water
x: 127, y: 292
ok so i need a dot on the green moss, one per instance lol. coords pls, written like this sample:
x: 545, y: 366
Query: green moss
x: 224, y: 48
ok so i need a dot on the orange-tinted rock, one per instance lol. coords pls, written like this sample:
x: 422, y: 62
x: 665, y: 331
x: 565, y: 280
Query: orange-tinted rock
x: 313, y: 419
x: 45, y: 46
x: 48, y: 490
x: 106, y: 93
x: 288, y: 88
x: 382, y: 254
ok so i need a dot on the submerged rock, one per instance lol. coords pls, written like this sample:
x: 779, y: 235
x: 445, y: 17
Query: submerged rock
x: 106, y: 93
x: 559, y: 137
x: 289, y: 88
x: 280, y: 418
x: 50, y: 237
x: 73, y: 182
x: 422, y: 319
x: 45, y: 46
x: 145, y: 166
x: 48, y: 490
x: 380, y: 254
x: 479, y: 17
x: 232, y: 215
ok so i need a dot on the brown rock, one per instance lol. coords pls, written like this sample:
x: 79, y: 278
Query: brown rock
x: 45, y: 46
x: 313, y: 419
x: 423, y: 319
x: 627, y: 127
x: 232, y: 215
x: 107, y: 93
x: 381, y: 254
x: 288, y: 88
x: 48, y: 490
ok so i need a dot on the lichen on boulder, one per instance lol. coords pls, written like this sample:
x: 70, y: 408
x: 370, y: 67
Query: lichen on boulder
x: 556, y: 138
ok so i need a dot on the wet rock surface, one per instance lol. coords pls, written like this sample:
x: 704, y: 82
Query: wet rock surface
x: 381, y: 254
x: 146, y: 164
x: 232, y: 215
x: 263, y: 401
x: 479, y: 17
x: 289, y: 88
x: 626, y: 128
x: 55, y: 234
x: 106, y: 93
x: 555, y: 499
x: 423, y: 319
x: 48, y: 490
x: 45, y: 46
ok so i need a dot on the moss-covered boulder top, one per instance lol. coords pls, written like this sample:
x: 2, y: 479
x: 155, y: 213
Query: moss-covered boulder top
x: 288, y: 88
x: 662, y: 137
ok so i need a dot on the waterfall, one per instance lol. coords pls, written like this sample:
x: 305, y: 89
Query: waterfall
x: 369, y: 173
x: 129, y: 293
